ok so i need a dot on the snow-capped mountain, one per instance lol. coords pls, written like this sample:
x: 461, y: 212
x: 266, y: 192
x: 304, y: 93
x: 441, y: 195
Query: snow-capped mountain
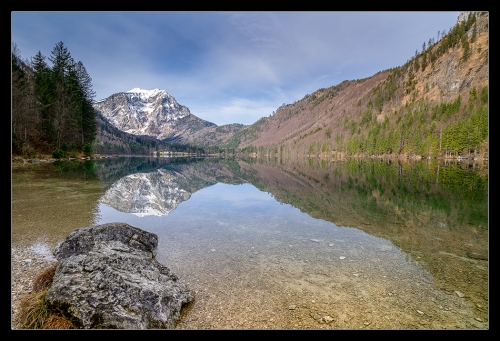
x: 149, y: 112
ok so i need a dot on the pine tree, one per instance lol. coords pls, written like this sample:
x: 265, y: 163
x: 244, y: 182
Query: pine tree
x: 45, y: 97
x: 88, y: 115
x: 466, y: 48
x: 424, y: 61
x: 62, y: 62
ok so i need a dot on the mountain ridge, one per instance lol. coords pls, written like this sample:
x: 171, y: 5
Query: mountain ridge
x: 352, y: 117
x: 408, y: 110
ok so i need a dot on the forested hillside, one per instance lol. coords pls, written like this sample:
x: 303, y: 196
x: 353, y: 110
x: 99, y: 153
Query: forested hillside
x: 435, y: 105
x: 112, y: 141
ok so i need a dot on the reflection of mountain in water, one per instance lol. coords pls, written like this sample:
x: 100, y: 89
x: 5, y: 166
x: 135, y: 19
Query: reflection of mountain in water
x: 154, y: 193
x: 436, y: 213
x: 165, y: 185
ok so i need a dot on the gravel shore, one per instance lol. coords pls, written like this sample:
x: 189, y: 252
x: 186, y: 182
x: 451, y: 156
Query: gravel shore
x: 25, y: 266
x: 248, y: 311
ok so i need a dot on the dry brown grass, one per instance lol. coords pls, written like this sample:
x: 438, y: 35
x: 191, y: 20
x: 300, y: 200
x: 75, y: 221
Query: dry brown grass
x: 58, y: 322
x: 44, y: 279
x: 35, y: 312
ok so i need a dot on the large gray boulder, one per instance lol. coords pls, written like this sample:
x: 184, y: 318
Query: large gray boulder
x: 108, y: 277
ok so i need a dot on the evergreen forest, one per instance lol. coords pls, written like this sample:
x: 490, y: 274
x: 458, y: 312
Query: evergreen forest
x: 52, y: 110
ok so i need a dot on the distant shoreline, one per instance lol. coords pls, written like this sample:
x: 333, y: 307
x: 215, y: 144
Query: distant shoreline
x: 49, y: 158
x: 17, y: 160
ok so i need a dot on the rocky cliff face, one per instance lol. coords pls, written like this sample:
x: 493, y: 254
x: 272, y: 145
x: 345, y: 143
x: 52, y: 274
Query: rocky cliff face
x: 451, y: 76
x: 149, y: 112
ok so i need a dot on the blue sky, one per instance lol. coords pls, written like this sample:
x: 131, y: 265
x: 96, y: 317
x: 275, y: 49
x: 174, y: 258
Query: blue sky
x: 229, y: 67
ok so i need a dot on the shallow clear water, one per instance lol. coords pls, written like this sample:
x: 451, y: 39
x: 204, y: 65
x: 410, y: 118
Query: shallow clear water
x: 256, y: 262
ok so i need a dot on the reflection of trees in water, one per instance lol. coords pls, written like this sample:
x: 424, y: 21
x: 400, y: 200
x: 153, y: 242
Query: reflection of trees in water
x: 84, y: 170
x: 437, y: 213
x: 158, y: 186
x: 409, y: 186
x: 112, y: 169
x: 49, y: 200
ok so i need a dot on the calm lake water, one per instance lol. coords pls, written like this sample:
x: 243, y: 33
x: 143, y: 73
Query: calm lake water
x: 286, y: 244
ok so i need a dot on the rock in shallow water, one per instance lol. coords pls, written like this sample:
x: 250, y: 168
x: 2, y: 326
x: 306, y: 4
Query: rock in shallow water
x: 108, y: 277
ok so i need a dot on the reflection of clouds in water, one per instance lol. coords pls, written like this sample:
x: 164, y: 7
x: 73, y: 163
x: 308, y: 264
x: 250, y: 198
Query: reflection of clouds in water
x: 276, y: 249
x: 108, y: 214
x: 214, y: 215
x: 219, y: 219
x: 234, y: 194
x: 247, y: 239
x: 265, y: 244
x: 42, y: 248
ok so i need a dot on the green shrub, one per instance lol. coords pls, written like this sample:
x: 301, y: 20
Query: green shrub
x: 57, y: 154
x: 87, y: 150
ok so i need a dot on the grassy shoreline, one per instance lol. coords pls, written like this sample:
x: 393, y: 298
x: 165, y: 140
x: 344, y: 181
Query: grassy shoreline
x: 18, y: 159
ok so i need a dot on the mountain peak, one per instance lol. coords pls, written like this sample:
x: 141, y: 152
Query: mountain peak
x: 146, y: 93
x: 149, y: 112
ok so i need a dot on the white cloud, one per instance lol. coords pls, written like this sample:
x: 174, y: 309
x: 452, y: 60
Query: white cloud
x: 246, y: 111
x: 229, y: 67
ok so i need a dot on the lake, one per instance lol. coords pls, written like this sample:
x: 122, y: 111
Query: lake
x: 286, y: 243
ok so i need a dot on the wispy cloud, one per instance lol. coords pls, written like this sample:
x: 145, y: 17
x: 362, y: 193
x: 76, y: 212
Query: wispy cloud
x: 229, y: 67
